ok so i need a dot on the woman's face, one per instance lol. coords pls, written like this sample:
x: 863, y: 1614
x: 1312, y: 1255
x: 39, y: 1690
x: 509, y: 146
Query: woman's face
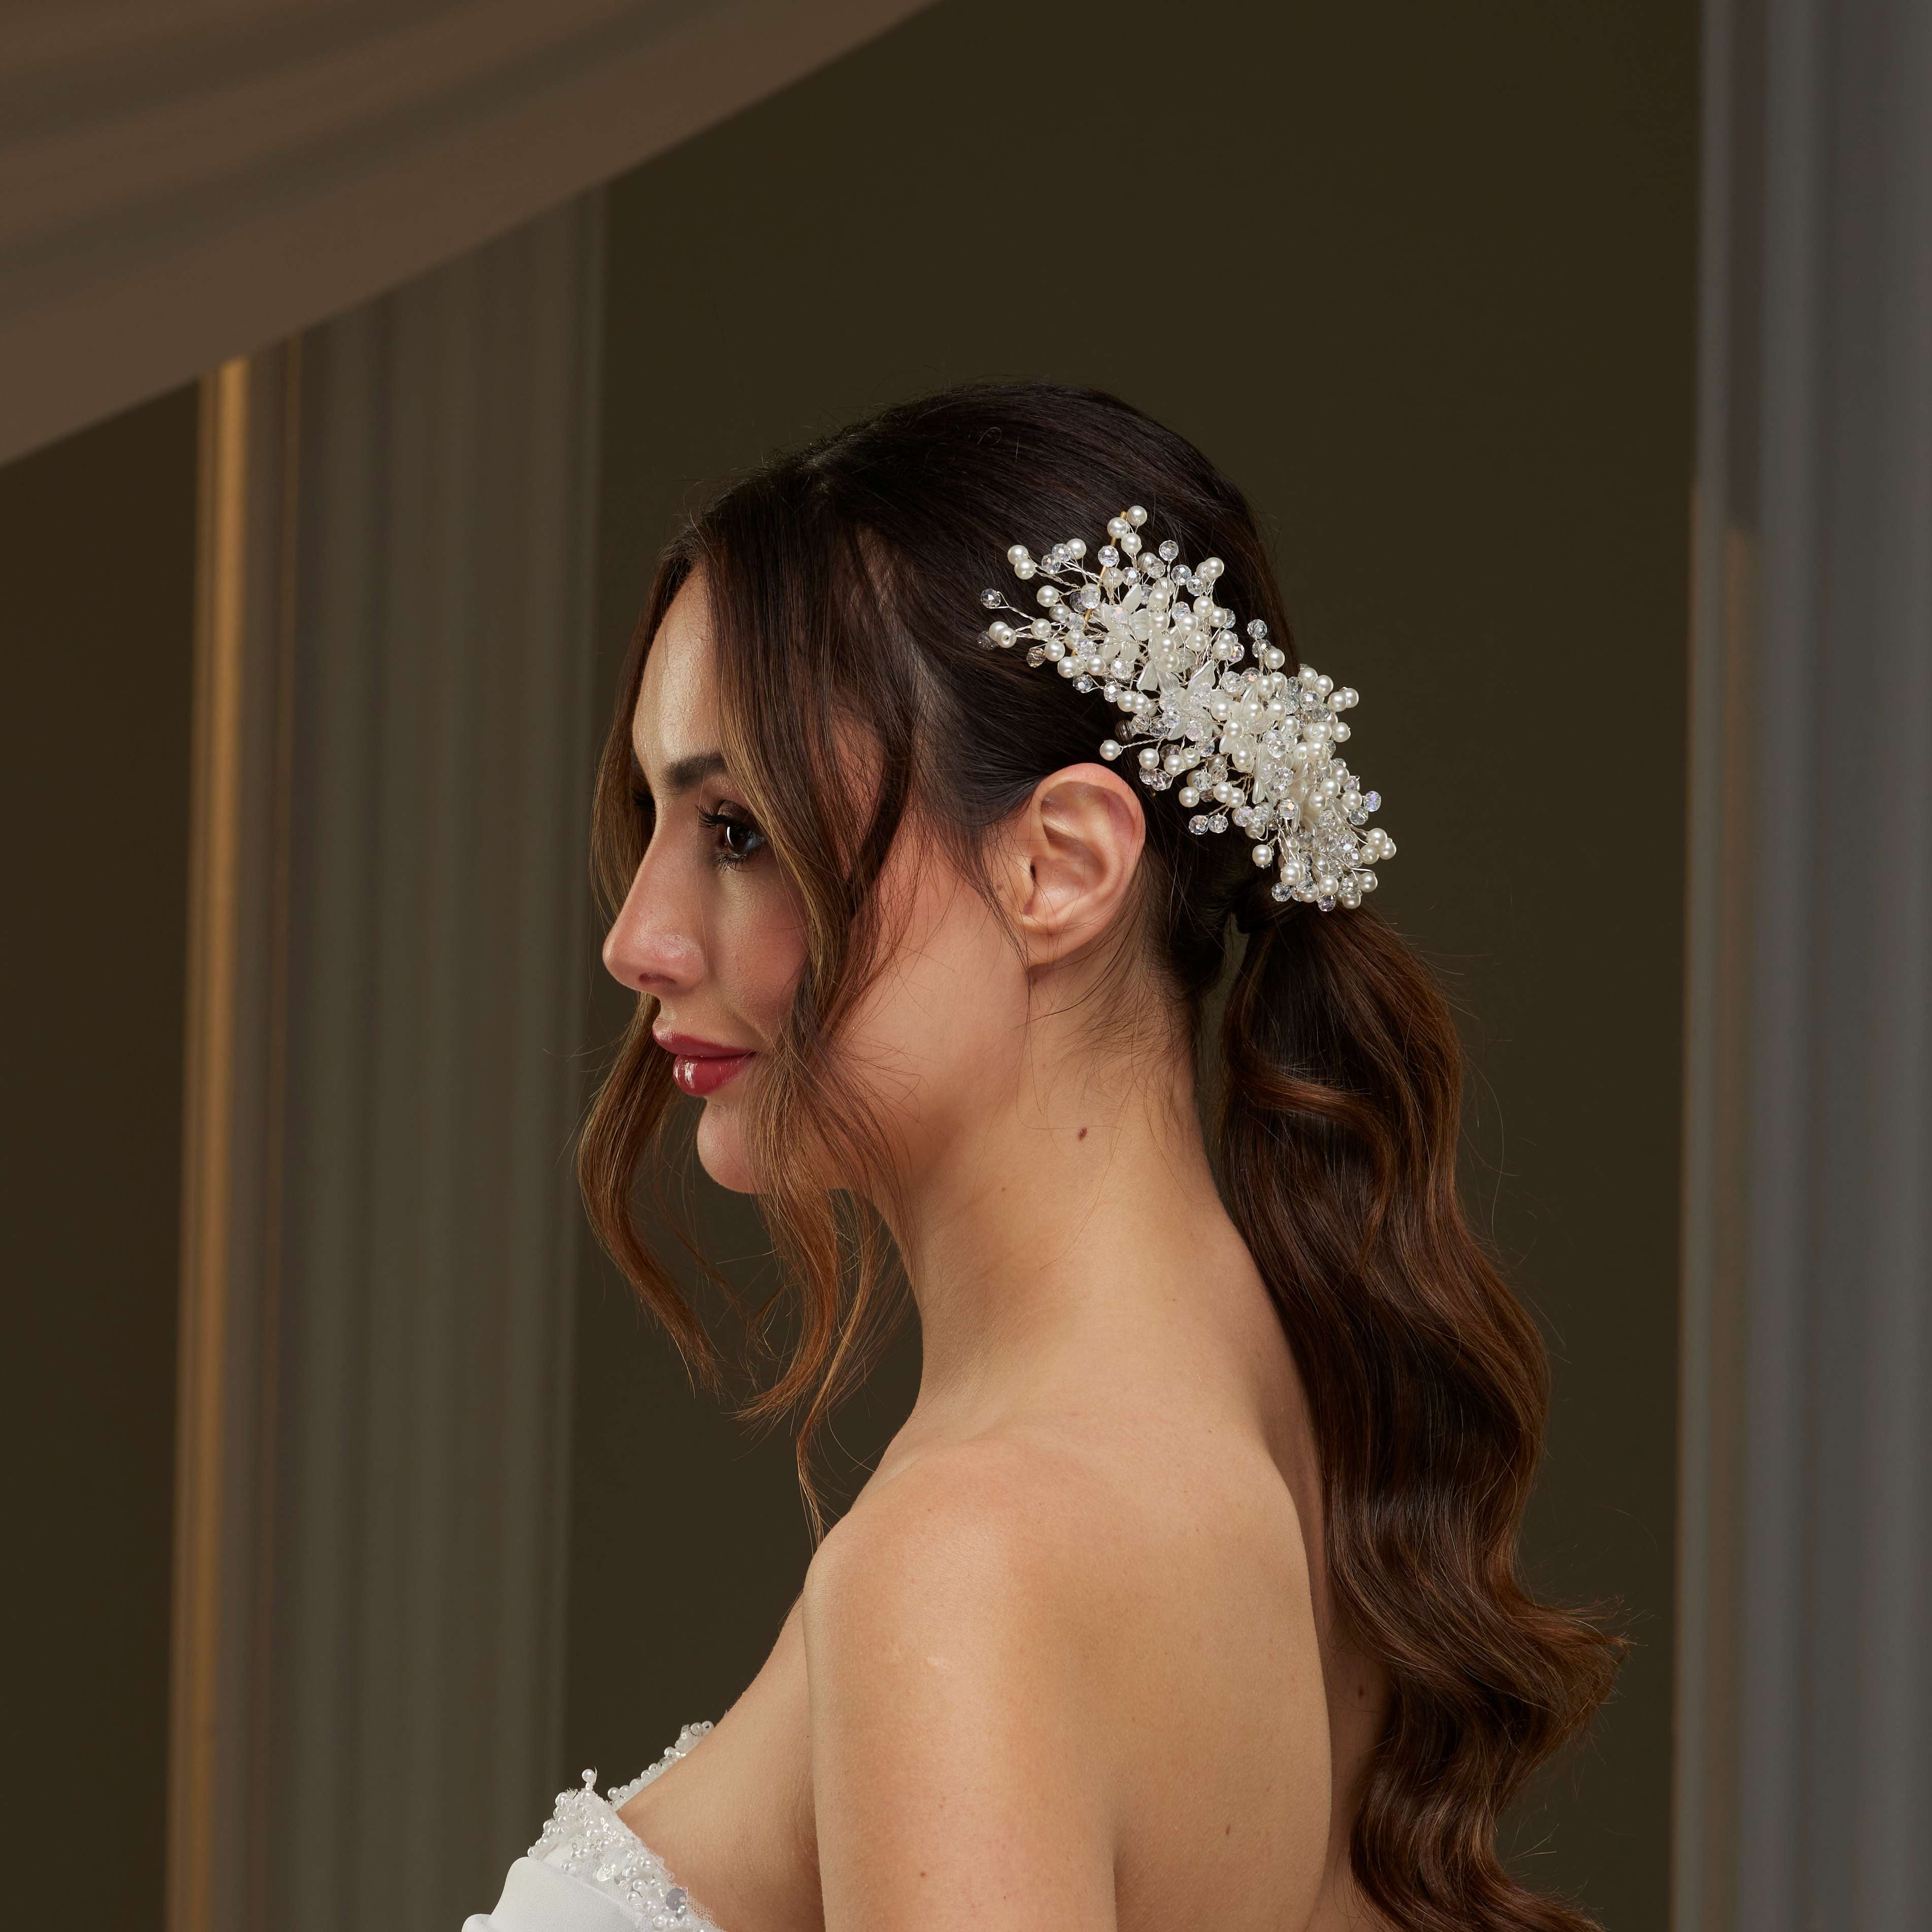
x: 710, y: 925
x: 712, y: 928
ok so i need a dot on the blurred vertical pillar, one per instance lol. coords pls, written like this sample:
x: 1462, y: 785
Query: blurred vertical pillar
x: 388, y: 938
x: 1804, y: 1748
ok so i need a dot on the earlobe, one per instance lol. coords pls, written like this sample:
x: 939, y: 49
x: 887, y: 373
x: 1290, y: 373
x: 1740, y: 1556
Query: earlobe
x: 1081, y: 832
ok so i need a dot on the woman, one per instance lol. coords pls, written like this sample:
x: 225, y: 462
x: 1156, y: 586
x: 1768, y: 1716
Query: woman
x: 1187, y: 1594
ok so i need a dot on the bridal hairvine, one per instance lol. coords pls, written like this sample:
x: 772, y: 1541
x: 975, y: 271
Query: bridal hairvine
x: 1252, y: 744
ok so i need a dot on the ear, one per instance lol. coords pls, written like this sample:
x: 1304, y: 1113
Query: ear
x: 1078, y: 839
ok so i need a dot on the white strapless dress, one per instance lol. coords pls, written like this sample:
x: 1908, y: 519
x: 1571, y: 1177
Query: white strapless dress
x: 589, y: 1872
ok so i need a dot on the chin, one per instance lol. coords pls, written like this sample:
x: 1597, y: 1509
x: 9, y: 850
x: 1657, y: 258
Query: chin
x: 721, y: 1147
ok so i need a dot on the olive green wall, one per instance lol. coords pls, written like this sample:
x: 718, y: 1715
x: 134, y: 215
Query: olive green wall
x: 1440, y: 329
x: 97, y: 599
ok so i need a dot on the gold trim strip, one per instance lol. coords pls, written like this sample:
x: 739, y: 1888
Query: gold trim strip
x: 209, y: 1149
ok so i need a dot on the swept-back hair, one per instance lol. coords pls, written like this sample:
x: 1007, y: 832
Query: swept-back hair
x: 843, y: 584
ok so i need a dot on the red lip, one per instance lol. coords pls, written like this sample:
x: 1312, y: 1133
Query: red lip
x: 701, y: 1066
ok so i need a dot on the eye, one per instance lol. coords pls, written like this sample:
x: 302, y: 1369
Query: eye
x: 738, y: 839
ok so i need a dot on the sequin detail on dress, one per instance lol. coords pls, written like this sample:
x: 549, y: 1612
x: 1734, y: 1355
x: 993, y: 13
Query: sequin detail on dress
x: 585, y: 1837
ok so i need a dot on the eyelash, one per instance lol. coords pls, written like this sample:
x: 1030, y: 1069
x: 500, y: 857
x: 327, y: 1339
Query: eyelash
x: 717, y: 821
x: 723, y: 821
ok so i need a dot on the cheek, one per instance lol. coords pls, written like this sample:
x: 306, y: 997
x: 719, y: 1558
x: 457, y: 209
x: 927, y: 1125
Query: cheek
x: 757, y: 945
x: 941, y: 1027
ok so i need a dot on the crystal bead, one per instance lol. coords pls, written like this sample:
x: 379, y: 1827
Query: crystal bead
x: 991, y: 599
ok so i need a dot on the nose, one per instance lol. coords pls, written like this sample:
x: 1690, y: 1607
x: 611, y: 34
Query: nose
x: 653, y: 945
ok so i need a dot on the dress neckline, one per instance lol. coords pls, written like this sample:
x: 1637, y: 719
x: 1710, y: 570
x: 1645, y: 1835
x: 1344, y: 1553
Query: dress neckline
x: 585, y: 1838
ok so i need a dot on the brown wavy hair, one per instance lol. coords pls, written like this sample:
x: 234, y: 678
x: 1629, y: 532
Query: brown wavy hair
x: 844, y: 582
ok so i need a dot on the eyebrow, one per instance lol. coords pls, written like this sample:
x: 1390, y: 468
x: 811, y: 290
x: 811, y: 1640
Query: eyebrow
x: 683, y: 773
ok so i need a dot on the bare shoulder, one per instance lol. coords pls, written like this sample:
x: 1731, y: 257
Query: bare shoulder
x: 953, y: 1707
x: 982, y: 1519
x: 975, y: 1577
x: 1026, y: 1651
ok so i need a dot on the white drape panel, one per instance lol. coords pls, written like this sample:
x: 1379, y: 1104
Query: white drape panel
x: 393, y: 757
x: 184, y: 182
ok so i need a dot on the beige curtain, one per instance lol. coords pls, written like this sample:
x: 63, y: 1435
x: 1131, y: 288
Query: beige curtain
x: 182, y: 181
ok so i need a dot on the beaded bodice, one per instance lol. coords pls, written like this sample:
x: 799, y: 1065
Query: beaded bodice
x: 585, y: 1837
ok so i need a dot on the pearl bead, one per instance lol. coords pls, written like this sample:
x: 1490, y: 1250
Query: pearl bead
x: 1110, y: 749
x: 1136, y: 515
x: 1149, y: 759
x: 1263, y: 855
x: 1018, y: 555
x: 1188, y: 795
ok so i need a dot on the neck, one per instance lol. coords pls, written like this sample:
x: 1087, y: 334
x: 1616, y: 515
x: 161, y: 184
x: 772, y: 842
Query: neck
x: 1075, y: 1210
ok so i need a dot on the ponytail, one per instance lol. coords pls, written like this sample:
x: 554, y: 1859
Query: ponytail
x: 1428, y: 1386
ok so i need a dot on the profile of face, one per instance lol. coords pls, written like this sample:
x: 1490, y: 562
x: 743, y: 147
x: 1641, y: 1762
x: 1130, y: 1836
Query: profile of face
x: 945, y: 1039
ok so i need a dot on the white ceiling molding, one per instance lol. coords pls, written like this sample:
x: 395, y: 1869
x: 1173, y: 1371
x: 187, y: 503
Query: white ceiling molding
x: 182, y: 183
